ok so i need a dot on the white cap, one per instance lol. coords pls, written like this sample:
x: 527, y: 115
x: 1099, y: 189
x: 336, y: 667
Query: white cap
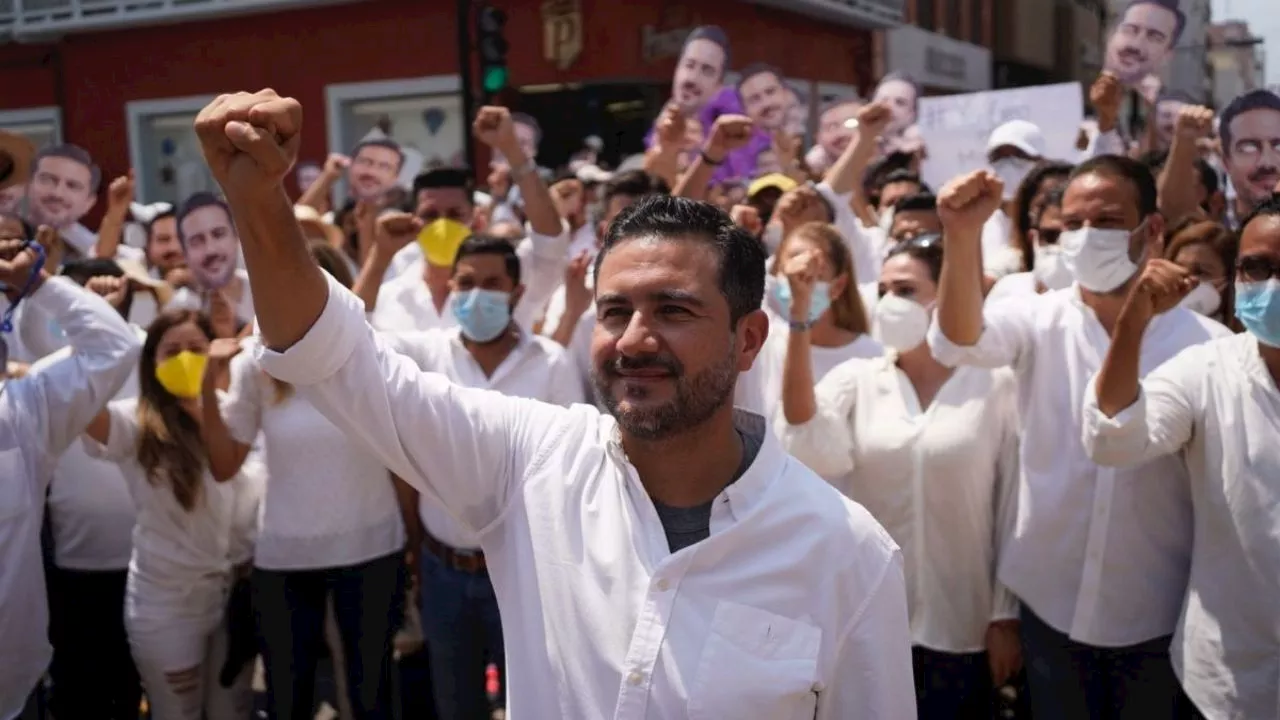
x: 593, y: 174
x: 1021, y: 134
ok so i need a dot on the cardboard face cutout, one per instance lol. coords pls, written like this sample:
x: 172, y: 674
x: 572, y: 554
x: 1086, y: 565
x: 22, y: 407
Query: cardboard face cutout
x: 210, y: 245
x: 1166, y: 118
x: 1143, y: 41
x: 1250, y: 134
x: 902, y: 94
x: 700, y: 69
x: 306, y: 175
x: 63, y: 187
x: 767, y: 99
x: 837, y: 128
x: 374, y: 169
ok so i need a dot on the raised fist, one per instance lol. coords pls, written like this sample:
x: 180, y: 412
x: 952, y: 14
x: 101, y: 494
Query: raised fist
x: 112, y: 289
x: 967, y: 202
x: 577, y: 296
x: 1194, y: 122
x: 336, y: 164
x: 747, y: 218
x: 671, y: 126
x: 120, y: 192
x: 250, y: 140
x: 1106, y: 94
x: 395, y: 231
x: 802, y: 272
x: 1160, y: 287
x: 874, y: 118
x: 17, y: 263
x: 729, y: 133
x: 494, y: 127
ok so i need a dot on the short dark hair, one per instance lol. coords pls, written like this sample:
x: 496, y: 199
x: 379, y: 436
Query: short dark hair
x: 711, y: 33
x: 901, y: 175
x: 489, y: 245
x: 755, y: 69
x: 925, y: 201
x: 926, y: 248
x: 1267, y: 208
x: 528, y: 121
x: 1127, y: 169
x: 1180, y: 18
x: 742, y: 257
x: 72, y: 152
x: 28, y: 230
x: 1253, y: 100
x: 165, y: 213
x: 199, y: 201
x: 1154, y: 159
x: 457, y: 178
x: 635, y: 184
x: 387, y: 143
x: 1044, y: 170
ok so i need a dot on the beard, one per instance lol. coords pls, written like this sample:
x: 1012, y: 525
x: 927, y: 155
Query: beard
x: 697, y: 398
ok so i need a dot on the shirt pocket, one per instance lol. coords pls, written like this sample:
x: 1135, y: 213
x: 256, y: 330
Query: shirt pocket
x: 15, y: 484
x: 756, y: 664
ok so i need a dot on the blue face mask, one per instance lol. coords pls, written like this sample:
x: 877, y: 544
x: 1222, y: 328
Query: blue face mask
x: 818, y: 303
x: 482, y: 314
x: 1258, y: 308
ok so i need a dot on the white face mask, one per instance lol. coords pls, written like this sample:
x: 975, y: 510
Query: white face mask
x: 1205, y: 299
x: 1099, y: 258
x: 901, y: 324
x: 1050, y: 268
x: 1012, y: 171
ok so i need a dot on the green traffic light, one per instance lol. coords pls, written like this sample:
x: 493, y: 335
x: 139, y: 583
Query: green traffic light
x: 495, y: 79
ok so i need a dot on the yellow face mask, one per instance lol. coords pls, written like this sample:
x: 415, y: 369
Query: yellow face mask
x: 441, y: 239
x: 182, y: 374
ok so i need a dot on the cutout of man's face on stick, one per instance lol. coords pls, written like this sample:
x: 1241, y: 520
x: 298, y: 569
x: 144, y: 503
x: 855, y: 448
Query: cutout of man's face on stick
x: 209, y: 240
x: 1143, y: 41
x: 374, y: 168
x: 1250, y: 133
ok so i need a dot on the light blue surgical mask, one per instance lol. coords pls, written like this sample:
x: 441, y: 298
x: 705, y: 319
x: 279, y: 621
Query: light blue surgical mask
x: 1258, y: 308
x: 818, y: 303
x: 482, y: 314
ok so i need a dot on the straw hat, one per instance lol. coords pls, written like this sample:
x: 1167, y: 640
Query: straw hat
x: 311, y: 222
x: 16, y: 153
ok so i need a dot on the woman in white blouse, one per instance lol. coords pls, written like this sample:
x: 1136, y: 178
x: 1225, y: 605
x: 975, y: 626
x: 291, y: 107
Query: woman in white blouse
x: 832, y: 320
x: 931, y: 452
x: 330, y: 527
x: 185, y: 542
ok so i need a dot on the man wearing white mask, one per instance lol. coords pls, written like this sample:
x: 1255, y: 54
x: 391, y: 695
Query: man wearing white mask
x: 1013, y: 150
x: 1099, y: 557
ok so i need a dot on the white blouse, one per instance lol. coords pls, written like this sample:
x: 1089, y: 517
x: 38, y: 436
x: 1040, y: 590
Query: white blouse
x: 1216, y: 408
x: 759, y: 390
x: 942, y: 480
x: 329, y: 502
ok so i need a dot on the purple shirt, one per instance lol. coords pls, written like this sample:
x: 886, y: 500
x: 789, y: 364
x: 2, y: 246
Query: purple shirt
x: 741, y: 163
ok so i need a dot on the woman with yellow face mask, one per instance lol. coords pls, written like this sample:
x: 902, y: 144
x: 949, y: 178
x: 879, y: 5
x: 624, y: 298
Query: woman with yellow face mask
x: 183, y: 544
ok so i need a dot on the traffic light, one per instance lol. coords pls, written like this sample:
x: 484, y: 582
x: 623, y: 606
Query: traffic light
x: 492, y: 24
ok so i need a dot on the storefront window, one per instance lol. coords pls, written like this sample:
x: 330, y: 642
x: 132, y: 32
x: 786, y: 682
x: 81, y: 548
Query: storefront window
x: 424, y: 115
x: 164, y: 151
x: 42, y: 126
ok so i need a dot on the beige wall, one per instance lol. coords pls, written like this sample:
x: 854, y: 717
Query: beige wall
x: 1032, y: 36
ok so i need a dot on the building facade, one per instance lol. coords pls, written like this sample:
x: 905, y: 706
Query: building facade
x: 943, y: 45
x: 1236, y: 60
x: 126, y: 83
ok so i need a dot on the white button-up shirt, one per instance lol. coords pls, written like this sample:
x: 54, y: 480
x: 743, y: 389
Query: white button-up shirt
x: 794, y: 607
x: 537, y: 368
x: 40, y: 416
x: 1216, y: 408
x: 1099, y: 554
x: 405, y: 303
x: 942, y: 480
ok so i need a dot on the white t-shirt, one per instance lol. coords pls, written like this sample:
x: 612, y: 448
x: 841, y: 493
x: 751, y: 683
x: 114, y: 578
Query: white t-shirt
x: 329, y: 502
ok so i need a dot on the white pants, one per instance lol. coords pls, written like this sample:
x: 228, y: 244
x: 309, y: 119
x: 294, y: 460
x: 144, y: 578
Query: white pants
x: 180, y: 654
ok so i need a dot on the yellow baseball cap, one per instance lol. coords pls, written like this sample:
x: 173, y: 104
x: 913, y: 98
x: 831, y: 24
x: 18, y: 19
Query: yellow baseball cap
x: 772, y: 180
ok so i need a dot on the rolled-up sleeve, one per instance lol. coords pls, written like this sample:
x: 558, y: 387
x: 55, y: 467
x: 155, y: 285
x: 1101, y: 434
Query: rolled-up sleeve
x: 825, y: 442
x: 1006, y: 337
x: 1159, y: 422
x: 104, y: 350
x: 1104, y: 143
x: 477, y: 444
x: 543, y: 259
x: 865, y: 247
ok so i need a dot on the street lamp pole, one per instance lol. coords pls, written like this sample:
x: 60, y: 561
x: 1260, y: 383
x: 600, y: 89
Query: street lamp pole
x: 465, y: 61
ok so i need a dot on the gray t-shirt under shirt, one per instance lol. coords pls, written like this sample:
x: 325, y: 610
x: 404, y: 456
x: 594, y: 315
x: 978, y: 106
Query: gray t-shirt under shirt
x: 686, y: 526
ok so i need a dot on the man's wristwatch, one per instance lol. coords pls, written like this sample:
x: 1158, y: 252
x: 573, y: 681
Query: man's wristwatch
x: 801, y: 325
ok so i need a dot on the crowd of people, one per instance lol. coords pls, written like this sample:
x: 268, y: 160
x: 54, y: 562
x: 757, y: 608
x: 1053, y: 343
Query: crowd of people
x: 652, y: 442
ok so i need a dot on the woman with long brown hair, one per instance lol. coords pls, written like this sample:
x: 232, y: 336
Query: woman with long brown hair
x: 1208, y: 251
x: 184, y: 541
x: 835, y: 326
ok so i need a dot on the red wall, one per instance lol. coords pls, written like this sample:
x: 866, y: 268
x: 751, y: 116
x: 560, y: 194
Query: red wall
x: 298, y: 52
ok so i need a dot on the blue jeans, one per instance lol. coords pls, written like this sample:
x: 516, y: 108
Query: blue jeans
x: 1073, y: 681
x: 463, y: 633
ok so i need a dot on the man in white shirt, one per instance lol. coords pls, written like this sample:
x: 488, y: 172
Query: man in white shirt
x: 1013, y: 149
x: 1216, y: 408
x: 417, y: 296
x: 1099, y: 557
x: 40, y: 416
x: 488, y: 350
x: 647, y: 565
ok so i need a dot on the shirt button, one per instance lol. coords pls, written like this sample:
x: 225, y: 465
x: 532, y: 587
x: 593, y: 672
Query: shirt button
x: 635, y: 678
x: 663, y: 585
